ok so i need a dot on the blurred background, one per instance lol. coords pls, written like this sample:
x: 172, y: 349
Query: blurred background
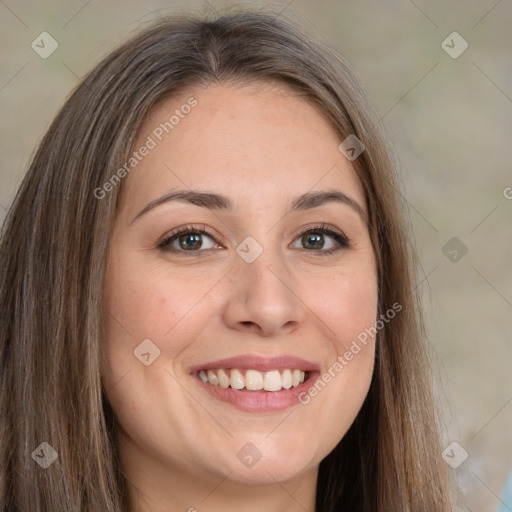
x: 440, y: 76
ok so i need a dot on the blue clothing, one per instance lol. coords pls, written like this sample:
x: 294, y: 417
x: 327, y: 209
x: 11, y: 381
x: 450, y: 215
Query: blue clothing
x: 506, y: 498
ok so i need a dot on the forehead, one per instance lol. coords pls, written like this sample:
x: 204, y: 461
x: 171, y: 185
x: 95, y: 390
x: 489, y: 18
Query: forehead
x: 259, y: 144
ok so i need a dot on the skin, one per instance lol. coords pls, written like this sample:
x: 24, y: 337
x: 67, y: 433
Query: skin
x: 261, y: 145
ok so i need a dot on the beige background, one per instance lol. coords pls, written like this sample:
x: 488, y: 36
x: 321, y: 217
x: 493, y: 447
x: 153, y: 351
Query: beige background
x: 451, y: 123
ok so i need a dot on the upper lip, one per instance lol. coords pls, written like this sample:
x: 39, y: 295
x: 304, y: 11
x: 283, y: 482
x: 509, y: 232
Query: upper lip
x: 254, y: 362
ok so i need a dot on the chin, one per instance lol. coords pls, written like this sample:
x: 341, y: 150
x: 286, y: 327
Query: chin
x: 265, y: 460
x: 266, y: 472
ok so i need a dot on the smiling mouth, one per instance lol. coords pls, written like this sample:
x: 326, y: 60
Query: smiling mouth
x: 253, y: 380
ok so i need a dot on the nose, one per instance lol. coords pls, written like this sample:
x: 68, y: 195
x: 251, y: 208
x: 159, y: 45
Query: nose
x: 263, y: 299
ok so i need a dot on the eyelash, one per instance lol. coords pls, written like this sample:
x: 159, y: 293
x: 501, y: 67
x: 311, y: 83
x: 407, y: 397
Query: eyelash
x: 342, y: 240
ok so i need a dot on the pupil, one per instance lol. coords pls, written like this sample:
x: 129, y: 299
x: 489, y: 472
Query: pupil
x: 190, y: 241
x: 315, y: 240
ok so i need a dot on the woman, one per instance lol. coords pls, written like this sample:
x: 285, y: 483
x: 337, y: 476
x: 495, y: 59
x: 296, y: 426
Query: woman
x: 208, y: 295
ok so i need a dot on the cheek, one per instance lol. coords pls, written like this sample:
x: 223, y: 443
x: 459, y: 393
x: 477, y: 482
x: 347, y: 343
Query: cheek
x: 140, y: 304
x: 147, y: 302
x: 358, y: 306
x: 346, y: 303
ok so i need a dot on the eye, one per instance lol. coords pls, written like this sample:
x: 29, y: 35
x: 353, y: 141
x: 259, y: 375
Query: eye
x: 318, y: 239
x: 187, y: 239
x: 314, y: 239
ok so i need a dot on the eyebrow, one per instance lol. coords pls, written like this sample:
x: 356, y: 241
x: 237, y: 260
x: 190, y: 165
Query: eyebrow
x: 214, y: 201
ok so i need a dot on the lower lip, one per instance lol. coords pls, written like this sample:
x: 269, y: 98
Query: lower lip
x: 260, y: 401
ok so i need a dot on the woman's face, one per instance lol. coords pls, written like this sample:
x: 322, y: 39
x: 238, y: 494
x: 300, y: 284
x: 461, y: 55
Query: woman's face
x: 283, y: 282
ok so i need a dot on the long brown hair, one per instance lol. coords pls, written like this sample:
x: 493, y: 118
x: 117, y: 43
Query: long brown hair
x: 54, y: 250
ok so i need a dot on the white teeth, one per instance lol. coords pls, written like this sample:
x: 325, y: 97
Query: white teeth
x: 273, y: 381
x: 223, y: 378
x: 237, y: 379
x: 287, y: 379
x: 253, y: 380
x: 212, y: 378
